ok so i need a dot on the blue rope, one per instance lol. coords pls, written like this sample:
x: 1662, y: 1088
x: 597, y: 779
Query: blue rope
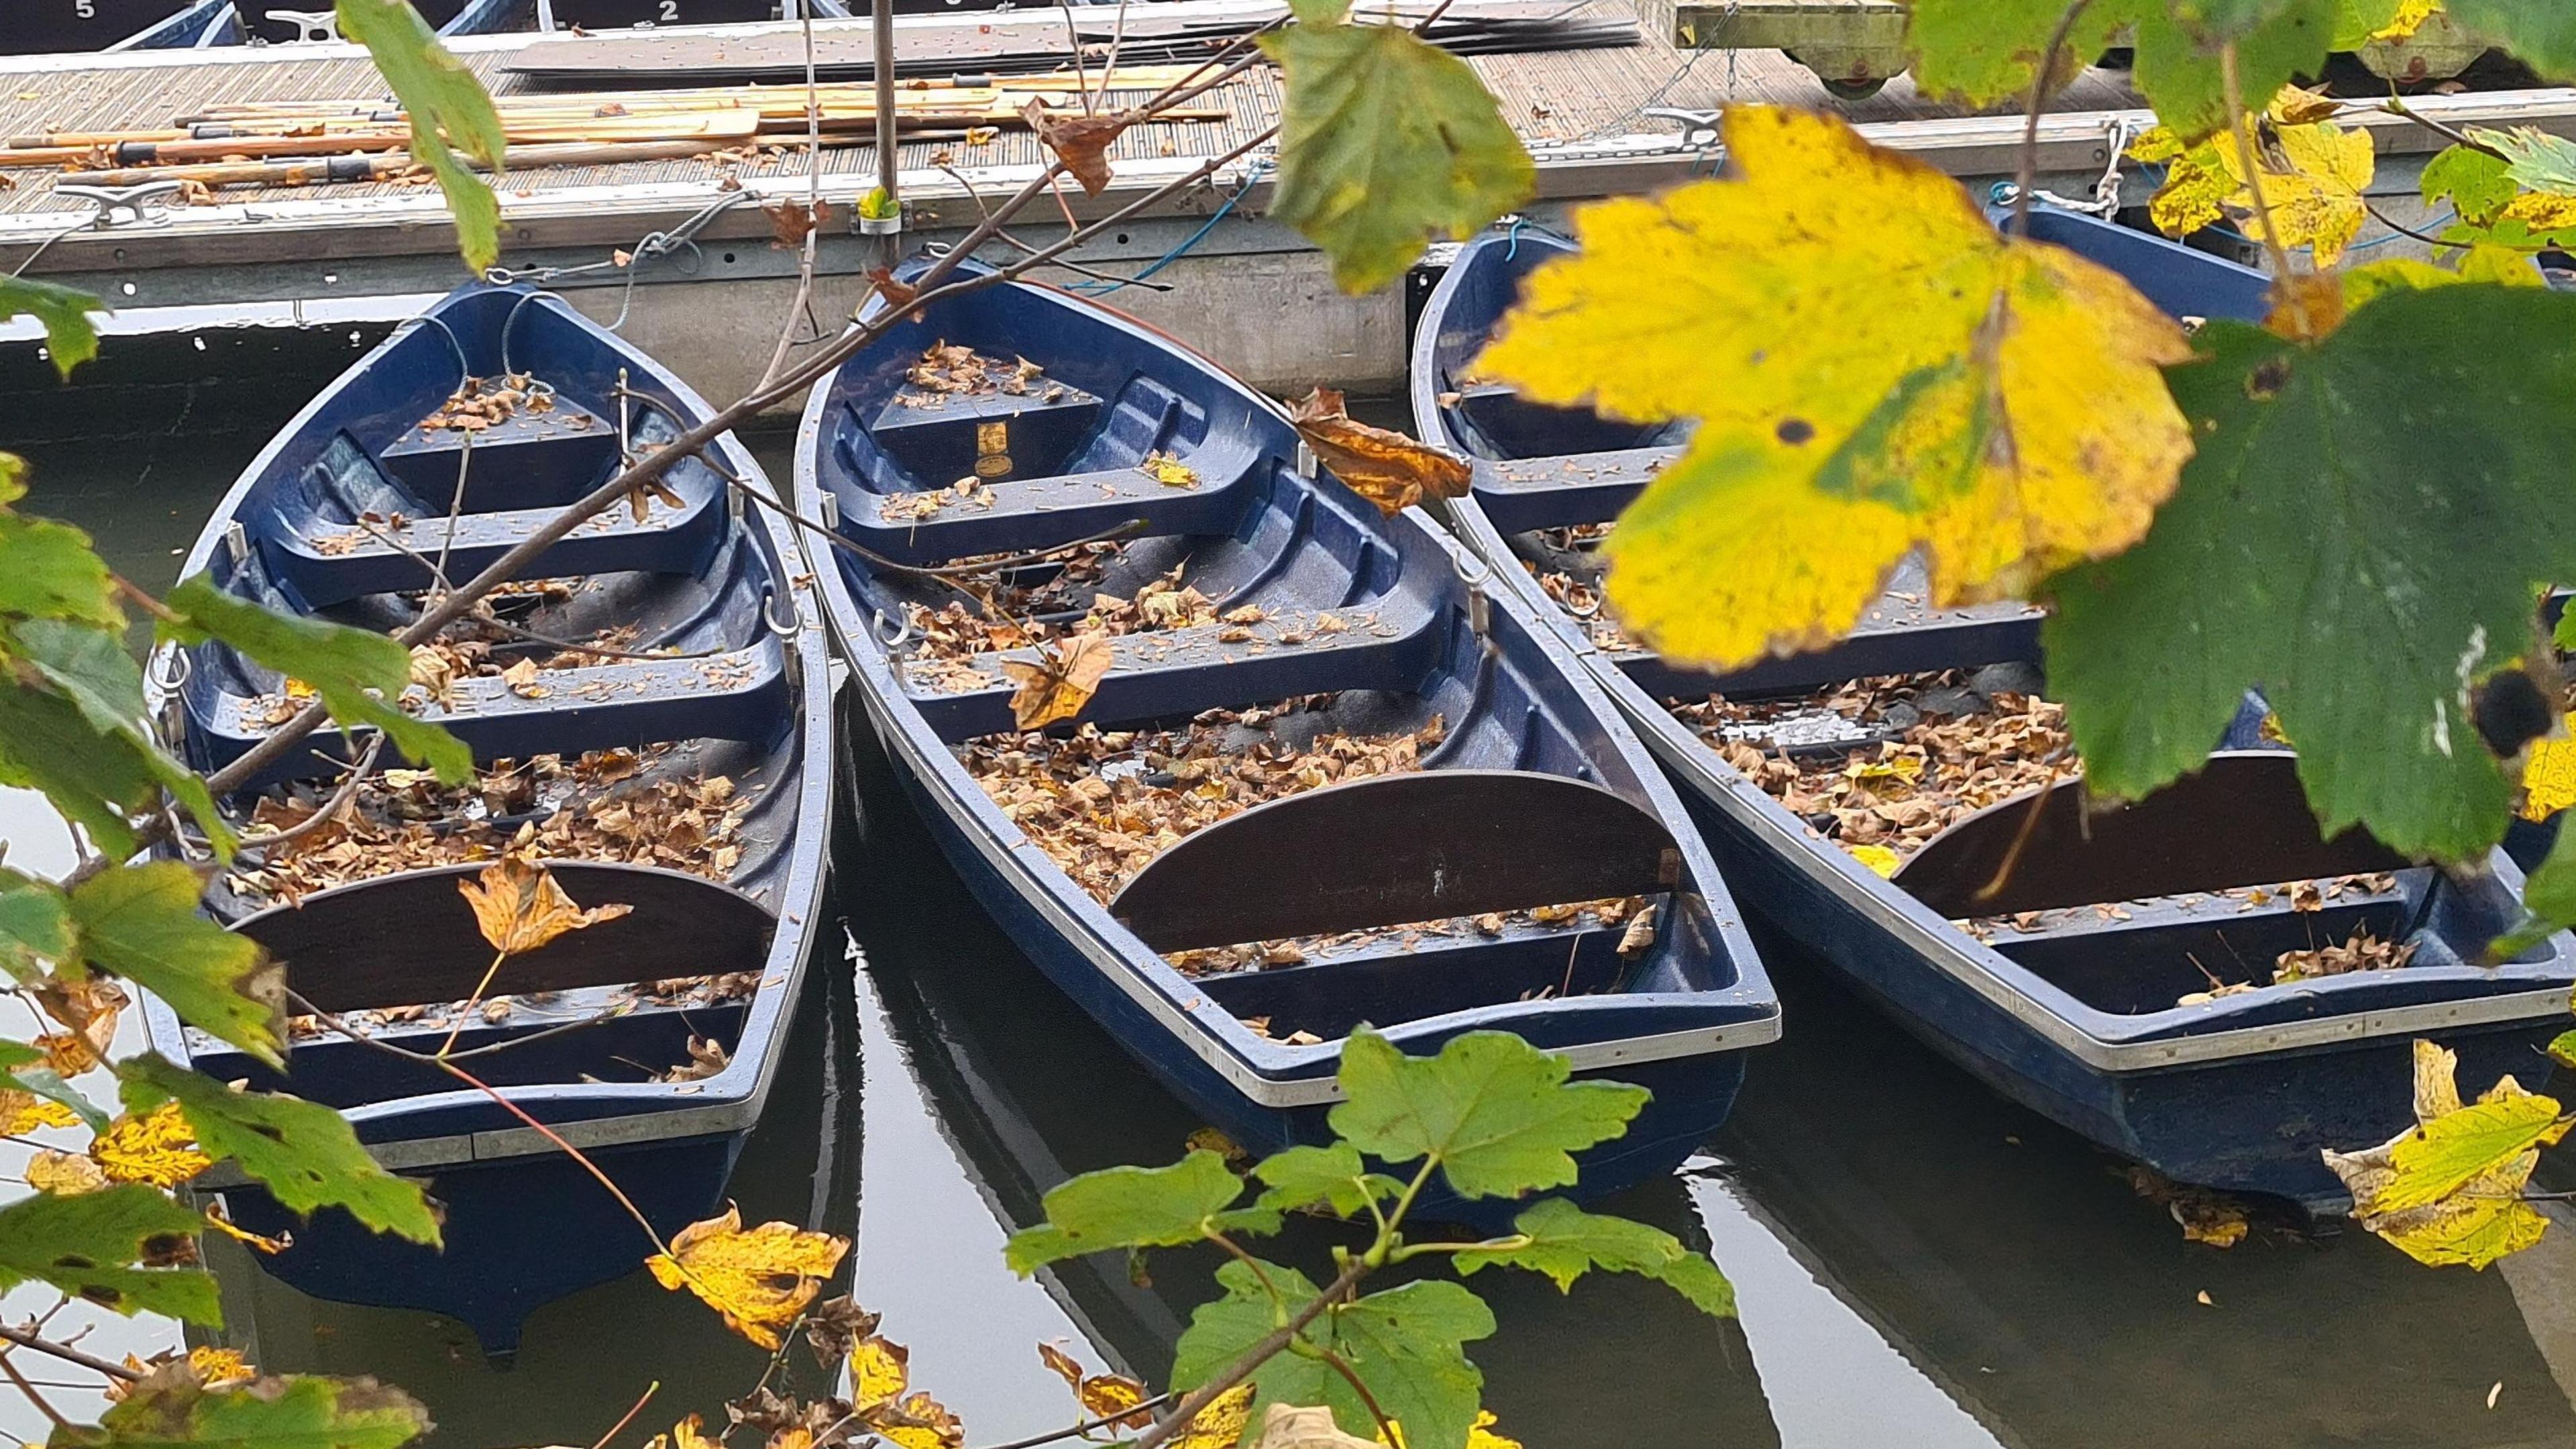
x: 1104, y: 288
x: 1514, y: 238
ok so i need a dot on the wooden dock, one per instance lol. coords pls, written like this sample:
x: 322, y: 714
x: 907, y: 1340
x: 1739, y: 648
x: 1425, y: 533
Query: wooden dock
x: 1249, y: 291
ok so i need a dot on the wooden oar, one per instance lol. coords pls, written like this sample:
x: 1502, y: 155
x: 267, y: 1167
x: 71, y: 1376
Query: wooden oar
x: 326, y: 169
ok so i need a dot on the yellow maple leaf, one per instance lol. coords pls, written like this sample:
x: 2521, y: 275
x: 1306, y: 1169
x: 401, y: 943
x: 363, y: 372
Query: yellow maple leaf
x: 1101, y: 1395
x: 2411, y: 15
x: 759, y: 1279
x: 1877, y: 857
x: 2313, y: 178
x: 2543, y: 211
x: 158, y: 1147
x: 1220, y: 1425
x: 1990, y: 402
x: 22, y: 1112
x: 64, y: 1174
x: 2549, y: 777
x: 918, y: 1421
x: 520, y: 906
x: 2449, y: 1189
x: 1480, y: 1435
x: 1061, y: 682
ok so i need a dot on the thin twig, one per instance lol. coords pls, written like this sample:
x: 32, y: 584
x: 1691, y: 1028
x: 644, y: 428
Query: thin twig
x: 33, y: 1397
x: 329, y: 809
x: 27, y: 1338
x: 2396, y: 107
x: 1253, y: 1358
x: 2026, y: 179
x: 613, y: 1430
x: 455, y: 502
x: 1077, y: 1430
x: 1385, y: 1426
x: 2237, y: 126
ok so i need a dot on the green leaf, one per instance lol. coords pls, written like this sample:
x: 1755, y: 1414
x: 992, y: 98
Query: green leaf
x: 45, y: 744
x: 142, y: 923
x: 172, y: 1411
x: 1224, y: 1329
x: 1498, y: 1112
x: 35, y: 927
x: 2361, y: 534
x: 80, y: 1244
x: 53, y: 572
x: 1982, y: 51
x: 1388, y: 142
x: 447, y: 105
x: 356, y: 672
x: 2477, y: 185
x: 65, y: 315
x: 1303, y: 1176
x: 305, y: 1152
x: 46, y: 1082
x: 1319, y: 12
x: 2358, y: 20
x: 2533, y: 157
x: 2540, y: 33
x: 2562, y: 1048
x: 1565, y: 1242
x: 2179, y: 70
x: 1406, y: 1344
x: 1127, y: 1207
x: 89, y: 666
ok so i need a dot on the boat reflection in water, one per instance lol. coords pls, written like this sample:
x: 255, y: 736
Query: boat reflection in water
x: 1918, y: 1262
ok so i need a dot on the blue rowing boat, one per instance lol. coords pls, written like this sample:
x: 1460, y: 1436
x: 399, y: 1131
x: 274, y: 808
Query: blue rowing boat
x: 1323, y: 777
x: 2194, y: 980
x: 649, y: 711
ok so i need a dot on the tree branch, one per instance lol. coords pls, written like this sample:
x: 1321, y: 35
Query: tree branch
x: 27, y: 1338
x: 1252, y: 1359
x: 2026, y: 179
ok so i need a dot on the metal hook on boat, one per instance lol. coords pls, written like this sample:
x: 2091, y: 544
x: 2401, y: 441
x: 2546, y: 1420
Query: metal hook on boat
x: 769, y: 615
x: 892, y: 643
x: 170, y: 669
x: 1475, y: 574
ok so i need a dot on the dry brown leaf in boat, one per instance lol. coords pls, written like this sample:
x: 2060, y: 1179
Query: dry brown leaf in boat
x: 1386, y: 468
x: 1061, y: 682
x: 706, y: 1058
x: 2361, y: 952
x: 1080, y: 142
x: 520, y: 906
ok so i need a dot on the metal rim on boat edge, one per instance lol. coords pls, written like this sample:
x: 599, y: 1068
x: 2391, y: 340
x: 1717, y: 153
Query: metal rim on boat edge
x: 1687, y: 757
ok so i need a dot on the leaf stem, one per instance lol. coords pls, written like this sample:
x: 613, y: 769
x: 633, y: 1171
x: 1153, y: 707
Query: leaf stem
x: 1279, y: 1300
x: 2026, y: 178
x: 1376, y: 1256
x: 2394, y: 106
x: 615, y: 1429
x: 2237, y: 126
x: 33, y: 1396
x: 1489, y: 1245
x: 1076, y: 1430
x: 457, y: 1027
x: 1385, y: 1426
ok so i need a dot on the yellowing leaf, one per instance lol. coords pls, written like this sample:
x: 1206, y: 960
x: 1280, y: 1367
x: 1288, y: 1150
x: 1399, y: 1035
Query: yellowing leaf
x: 520, y: 907
x: 1221, y: 1424
x: 759, y: 1280
x: 2449, y: 1189
x: 64, y: 1173
x: 1990, y: 402
x: 1061, y: 682
x: 255, y: 1242
x: 22, y: 1112
x: 2411, y: 15
x: 1386, y: 468
x: 1877, y: 857
x: 158, y: 1147
x: 2549, y: 779
x: 879, y: 1371
x: 212, y: 1368
x: 2313, y: 178
x: 918, y: 1422
x: 1482, y: 1435
x: 1101, y: 1395
x: 1169, y: 471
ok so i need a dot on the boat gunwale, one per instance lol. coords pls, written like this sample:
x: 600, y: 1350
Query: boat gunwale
x: 742, y: 1087
x: 2118, y: 1043
x: 1269, y: 1073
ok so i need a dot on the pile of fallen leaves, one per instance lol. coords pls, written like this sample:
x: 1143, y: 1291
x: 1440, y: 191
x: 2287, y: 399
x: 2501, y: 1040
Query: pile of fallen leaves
x: 1635, y: 913
x: 1917, y: 753
x: 946, y: 371
x: 481, y: 403
x: 596, y: 807
x: 2360, y: 952
x: 1102, y: 804
x: 1582, y: 599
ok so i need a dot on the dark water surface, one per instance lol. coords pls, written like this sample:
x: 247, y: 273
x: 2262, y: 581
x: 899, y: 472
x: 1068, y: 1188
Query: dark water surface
x: 1918, y: 1263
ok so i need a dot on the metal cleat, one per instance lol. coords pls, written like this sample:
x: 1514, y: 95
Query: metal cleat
x: 1699, y: 128
x: 123, y: 205
x: 314, y: 24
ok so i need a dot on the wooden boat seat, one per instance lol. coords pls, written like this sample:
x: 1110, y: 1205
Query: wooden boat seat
x: 1560, y: 491
x: 740, y: 694
x: 1180, y: 672
x: 411, y: 940
x: 1025, y: 514
x: 2242, y: 820
x: 1393, y: 849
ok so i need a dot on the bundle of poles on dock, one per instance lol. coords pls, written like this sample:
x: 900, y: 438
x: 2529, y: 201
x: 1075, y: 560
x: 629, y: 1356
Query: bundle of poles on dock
x: 301, y: 143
